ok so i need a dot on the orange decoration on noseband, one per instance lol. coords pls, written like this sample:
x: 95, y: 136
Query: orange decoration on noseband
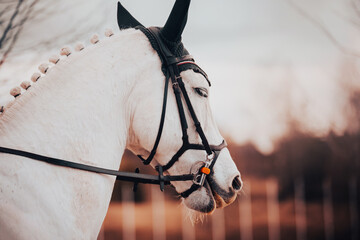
x: 205, y: 170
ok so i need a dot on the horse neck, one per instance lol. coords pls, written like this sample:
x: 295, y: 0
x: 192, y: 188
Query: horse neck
x: 78, y: 109
x: 81, y: 111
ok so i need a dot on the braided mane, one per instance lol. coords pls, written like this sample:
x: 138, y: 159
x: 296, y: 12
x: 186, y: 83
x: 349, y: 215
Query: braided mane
x: 26, y: 87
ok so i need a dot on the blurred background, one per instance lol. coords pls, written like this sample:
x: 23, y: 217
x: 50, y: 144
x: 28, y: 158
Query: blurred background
x: 286, y: 96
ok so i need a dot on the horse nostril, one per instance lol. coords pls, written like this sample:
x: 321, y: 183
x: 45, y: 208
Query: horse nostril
x: 236, y: 184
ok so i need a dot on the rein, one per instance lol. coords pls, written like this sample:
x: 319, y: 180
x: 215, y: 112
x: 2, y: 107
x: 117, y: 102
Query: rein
x: 122, y: 176
x: 172, y: 66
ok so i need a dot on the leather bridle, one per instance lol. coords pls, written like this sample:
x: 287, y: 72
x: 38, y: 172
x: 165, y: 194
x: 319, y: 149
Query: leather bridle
x: 172, y: 67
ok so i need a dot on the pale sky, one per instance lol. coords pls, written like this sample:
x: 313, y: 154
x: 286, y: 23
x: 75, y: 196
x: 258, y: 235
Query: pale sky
x: 265, y: 60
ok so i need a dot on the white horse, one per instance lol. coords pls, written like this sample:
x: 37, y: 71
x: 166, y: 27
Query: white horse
x: 88, y: 108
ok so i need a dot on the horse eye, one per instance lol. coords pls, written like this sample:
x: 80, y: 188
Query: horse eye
x: 201, y: 91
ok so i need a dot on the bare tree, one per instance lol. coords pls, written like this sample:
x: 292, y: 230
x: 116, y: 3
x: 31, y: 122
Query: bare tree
x: 19, y: 17
x: 353, y: 4
x: 13, y: 16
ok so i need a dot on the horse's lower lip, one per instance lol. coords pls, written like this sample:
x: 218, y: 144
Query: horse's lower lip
x: 218, y: 200
x: 211, y: 207
x: 221, y: 196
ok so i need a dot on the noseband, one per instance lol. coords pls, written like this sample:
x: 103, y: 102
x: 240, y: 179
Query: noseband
x: 172, y: 66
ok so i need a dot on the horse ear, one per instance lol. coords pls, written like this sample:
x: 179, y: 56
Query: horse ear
x: 176, y: 22
x: 125, y: 20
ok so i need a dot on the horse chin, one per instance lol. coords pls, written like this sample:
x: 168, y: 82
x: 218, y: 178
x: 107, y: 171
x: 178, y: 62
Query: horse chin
x: 202, y: 200
x: 210, y: 197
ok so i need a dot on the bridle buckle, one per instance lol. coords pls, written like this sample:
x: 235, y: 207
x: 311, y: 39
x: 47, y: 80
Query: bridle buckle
x: 210, y: 157
x: 199, y: 178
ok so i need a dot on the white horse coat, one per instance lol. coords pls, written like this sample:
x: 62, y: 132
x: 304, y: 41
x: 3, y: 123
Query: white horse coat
x: 88, y: 108
x: 78, y: 111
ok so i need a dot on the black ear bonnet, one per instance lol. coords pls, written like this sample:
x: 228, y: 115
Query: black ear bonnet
x: 170, y: 34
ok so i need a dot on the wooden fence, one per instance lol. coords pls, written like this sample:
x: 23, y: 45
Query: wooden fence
x: 257, y: 214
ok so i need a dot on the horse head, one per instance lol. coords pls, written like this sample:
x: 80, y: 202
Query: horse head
x: 180, y: 145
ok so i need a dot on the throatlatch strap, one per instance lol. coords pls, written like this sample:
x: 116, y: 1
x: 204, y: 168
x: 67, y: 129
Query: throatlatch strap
x: 161, y: 126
